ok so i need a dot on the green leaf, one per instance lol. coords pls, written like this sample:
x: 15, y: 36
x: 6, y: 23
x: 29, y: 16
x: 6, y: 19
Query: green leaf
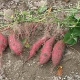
x: 78, y: 23
x: 42, y: 9
x: 72, y: 21
x: 76, y: 31
x: 70, y: 39
x: 24, y: 12
x: 67, y: 37
x: 32, y: 12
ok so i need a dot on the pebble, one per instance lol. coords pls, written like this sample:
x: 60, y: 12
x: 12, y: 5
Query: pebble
x: 34, y: 62
x: 72, y: 72
x: 38, y: 76
x: 76, y: 73
x: 16, y: 1
x: 29, y: 64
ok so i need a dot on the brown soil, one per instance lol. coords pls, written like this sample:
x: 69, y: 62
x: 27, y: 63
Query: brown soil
x: 13, y: 68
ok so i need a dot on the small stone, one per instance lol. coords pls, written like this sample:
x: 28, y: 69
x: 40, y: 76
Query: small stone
x: 59, y: 78
x: 16, y: 1
x: 38, y: 76
x: 76, y: 73
x: 72, y: 72
x: 29, y: 64
x: 34, y: 62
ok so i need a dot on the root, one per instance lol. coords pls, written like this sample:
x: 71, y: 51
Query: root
x: 25, y: 30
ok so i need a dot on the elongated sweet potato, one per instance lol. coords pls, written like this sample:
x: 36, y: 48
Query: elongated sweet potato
x: 3, y: 42
x: 37, y: 46
x: 3, y: 45
x: 57, y: 52
x: 46, y: 51
x: 15, y: 44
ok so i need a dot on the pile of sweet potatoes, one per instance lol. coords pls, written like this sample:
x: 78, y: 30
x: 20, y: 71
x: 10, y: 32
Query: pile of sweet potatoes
x: 13, y: 42
x: 51, y: 49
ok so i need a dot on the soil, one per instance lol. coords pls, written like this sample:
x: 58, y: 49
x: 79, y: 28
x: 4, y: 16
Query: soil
x: 14, y: 67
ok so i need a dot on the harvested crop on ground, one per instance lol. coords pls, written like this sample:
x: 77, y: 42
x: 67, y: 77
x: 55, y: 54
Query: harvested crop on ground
x: 57, y: 53
x: 15, y: 44
x: 46, y: 51
x: 37, y: 45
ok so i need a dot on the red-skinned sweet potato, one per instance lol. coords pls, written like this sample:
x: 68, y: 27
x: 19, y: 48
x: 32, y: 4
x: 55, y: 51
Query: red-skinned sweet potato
x: 57, y: 52
x: 15, y: 44
x: 37, y: 46
x: 3, y: 43
x: 46, y: 51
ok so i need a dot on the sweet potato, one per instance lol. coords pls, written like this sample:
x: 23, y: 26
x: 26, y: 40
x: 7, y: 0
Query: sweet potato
x: 37, y: 46
x: 3, y: 43
x: 46, y: 51
x: 57, y: 52
x: 15, y: 44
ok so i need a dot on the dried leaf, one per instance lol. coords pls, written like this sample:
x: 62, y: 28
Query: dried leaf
x: 60, y: 71
x: 50, y: 10
x: 26, y: 44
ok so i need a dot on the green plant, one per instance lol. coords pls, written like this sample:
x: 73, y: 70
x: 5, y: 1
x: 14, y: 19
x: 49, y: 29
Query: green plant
x: 73, y: 23
x: 29, y: 16
x: 45, y: 15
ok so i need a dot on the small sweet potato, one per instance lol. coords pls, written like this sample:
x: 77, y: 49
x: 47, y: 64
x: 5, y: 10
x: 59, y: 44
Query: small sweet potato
x: 3, y: 42
x: 57, y: 52
x: 36, y: 46
x: 46, y: 51
x: 15, y: 44
x: 3, y: 45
